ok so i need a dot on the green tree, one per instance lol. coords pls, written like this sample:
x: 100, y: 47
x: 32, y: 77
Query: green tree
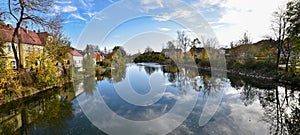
x: 293, y: 31
x: 194, y: 45
x: 57, y: 47
x: 88, y: 65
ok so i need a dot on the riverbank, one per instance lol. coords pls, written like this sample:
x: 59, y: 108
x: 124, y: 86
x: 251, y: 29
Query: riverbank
x: 290, y: 79
x: 32, y: 91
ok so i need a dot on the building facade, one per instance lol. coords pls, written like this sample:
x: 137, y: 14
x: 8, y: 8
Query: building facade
x: 30, y: 41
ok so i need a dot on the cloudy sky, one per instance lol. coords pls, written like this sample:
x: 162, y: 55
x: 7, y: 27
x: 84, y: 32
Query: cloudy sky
x: 229, y: 19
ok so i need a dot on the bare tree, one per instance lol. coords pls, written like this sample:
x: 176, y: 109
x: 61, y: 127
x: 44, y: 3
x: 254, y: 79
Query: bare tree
x: 245, y: 39
x: 183, y: 41
x: 148, y: 49
x: 279, y: 25
x: 170, y: 45
x: 29, y: 11
x: 285, y: 25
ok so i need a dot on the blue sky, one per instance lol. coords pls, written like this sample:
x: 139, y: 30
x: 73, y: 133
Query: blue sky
x: 228, y: 19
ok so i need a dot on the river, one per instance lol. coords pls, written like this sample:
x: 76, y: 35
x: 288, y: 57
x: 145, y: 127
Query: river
x: 108, y: 105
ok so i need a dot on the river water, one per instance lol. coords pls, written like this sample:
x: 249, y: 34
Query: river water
x: 109, y: 106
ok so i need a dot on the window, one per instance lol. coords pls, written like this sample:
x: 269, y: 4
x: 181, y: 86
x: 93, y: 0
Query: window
x: 13, y: 63
x: 28, y: 49
x: 9, y: 49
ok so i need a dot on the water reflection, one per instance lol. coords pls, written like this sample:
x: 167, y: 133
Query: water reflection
x: 249, y: 106
x: 47, y: 112
x: 279, y: 102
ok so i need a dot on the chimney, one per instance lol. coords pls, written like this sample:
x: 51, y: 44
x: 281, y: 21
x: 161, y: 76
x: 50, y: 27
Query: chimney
x: 26, y: 29
x: 9, y: 26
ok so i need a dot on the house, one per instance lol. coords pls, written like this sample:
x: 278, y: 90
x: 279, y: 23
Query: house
x: 77, y: 59
x: 30, y: 41
x: 99, y: 57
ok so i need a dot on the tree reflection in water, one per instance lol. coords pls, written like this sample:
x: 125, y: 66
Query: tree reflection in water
x: 46, y: 113
x: 280, y: 104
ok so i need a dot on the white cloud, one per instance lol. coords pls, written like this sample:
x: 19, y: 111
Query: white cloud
x: 91, y: 14
x: 69, y: 9
x: 164, y: 29
x: 56, y: 7
x: 206, y: 3
x: 248, y: 16
x: 179, y: 13
x: 151, y: 5
x: 87, y: 4
x: 63, y: 2
x: 83, y: 3
x: 158, y: 2
x: 239, y: 16
x: 77, y: 16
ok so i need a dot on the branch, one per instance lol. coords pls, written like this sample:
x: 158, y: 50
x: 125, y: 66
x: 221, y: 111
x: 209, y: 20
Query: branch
x: 10, y: 11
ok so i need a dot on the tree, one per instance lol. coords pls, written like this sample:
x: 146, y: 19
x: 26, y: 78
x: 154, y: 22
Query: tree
x: 2, y: 47
x: 57, y: 47
x: 245, y: 40
x: 148, y: 49
x: 194, y: 44
x: 45, y: 63
x: 88, y: 65
x: 8, y: 83
x: 23, y: 12
x: 293, y: 31
x: 170, y: 45
x: 286, y: 30
x: 105, y: 50
x: 183, y: 41
x: 279, y: 25
x: 45, y: 68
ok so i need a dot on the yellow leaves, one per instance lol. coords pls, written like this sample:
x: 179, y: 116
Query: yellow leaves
x: 8, y: 80
x: 2, y: 84
x: 44, y: 66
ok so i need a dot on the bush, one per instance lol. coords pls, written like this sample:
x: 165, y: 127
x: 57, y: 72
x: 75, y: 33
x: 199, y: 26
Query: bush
x: 154, y: 57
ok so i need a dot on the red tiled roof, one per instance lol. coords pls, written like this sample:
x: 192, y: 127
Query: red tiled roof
x: 43, y: 36
x: 27, y: 36
x: 75, y: 53
x: 97, y: 57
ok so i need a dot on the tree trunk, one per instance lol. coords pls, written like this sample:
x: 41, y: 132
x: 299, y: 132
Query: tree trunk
x: 16, y: 33
x: 278, y: 58
x: 15, y: 50
x: 287, y: 63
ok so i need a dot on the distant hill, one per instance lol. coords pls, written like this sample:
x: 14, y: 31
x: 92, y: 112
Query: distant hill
x: 260, y: 49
